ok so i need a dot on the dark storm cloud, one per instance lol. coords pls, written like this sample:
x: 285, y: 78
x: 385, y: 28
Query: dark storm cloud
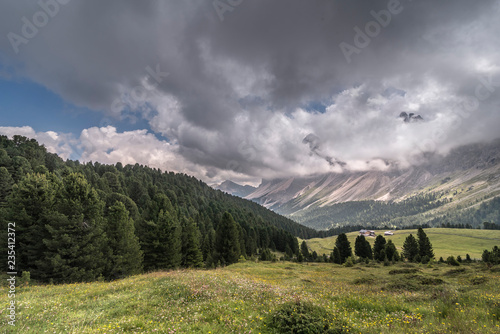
x: 234, y: 86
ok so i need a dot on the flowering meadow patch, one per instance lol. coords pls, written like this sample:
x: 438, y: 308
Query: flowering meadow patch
x: 245, y: 298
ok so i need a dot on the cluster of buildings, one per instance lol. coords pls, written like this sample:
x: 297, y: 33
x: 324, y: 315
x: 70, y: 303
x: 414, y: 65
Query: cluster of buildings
x: 368, y: 233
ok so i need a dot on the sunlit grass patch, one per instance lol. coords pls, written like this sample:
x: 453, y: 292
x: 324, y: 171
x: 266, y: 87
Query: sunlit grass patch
x: 242, y: 298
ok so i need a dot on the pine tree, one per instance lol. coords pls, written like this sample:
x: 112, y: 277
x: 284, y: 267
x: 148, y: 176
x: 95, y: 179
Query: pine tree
x: 362, y: 247
x: 166, y: 252
x: 74, y: 250
x: 77, y: 240
x: 304, y: 250
x: 28, y: 205
x: 378, y: 247
x: 21, y: 166
x: 208, y: 244
x: 424, y: 244
x: 6, y: 183
x: 410, y: 248
x: 227, y: 240
x: 344, y: 247
x: 288, y: 251
x: 390, y: 251
x: 335, y: 256
x: 126, y: 255
x: 191, y: 252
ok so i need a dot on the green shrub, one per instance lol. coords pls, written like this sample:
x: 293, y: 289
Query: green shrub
x: 305, y: 318
x: 454, y: 272
x: 349, y: 262
x: 364, y: 280
x: 452, y: 261
x: 404, y: 271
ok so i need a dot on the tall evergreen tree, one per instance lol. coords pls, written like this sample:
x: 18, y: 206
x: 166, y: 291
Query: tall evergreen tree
x: 126, y: 254
x: 304, y: 250
x: 208, y: 244
x: 163, y: 242
x: 227, y: 240
x: 344, y: 247
x: 335, y: 256
x: 362, y: 247
x: 22, y: 167
x: 378, y: 247
x: 5, y: 160
x: 391, y: 252
x: 424, y: 244
x: 28, y: 206
x: 410, y: 248
x: 6, y: 183
x: 191, y: 252
x: 77, y: 239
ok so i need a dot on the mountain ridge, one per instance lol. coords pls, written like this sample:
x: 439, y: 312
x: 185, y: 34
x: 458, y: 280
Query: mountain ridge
x: 466, y: 176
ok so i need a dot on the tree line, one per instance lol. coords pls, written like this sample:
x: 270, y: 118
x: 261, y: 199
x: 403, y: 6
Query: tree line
x: 414, y: 249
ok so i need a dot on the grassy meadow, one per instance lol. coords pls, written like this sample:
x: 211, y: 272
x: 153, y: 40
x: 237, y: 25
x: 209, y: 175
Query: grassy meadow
x: 445, y: 241
x: 248, y: 297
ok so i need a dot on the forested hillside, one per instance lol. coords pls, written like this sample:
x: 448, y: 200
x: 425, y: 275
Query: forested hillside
x: 80, y: 222
x: 372, y: 213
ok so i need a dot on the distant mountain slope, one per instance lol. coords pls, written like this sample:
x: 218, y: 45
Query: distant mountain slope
x: 465, y: 177
x: 235, y: 189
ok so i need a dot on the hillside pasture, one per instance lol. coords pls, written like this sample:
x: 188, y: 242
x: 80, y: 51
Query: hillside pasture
x: 445, y: 241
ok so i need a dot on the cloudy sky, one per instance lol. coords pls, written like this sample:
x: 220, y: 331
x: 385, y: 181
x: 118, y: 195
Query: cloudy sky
x: 250, y: 89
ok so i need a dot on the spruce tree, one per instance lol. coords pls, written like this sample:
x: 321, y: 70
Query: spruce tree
x: 390, y: 251
x: 424, y: 244
x: 28, y: 206
x: 6, y: 183
x: 335, y: 256
x: 208, y: 244
x: 304, y: 250
x: 126, y: 254
x: 362, y: 247
x: 74, y: 250
x: 191, y: 252
x: 227, y: 240
x: 77, y: 238
x: 410, y: 248
x: 344, y: 247
x: 378, y: 247
x: 166, y: 241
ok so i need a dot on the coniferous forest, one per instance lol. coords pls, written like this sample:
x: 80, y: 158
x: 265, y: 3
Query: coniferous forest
x: 82, y: 222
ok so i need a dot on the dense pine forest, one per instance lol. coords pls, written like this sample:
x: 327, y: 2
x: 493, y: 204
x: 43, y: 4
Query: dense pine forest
x: 82, y: 222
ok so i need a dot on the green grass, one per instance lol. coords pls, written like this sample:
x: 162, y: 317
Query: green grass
x: 254, y: 297
x: 445, y: 241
